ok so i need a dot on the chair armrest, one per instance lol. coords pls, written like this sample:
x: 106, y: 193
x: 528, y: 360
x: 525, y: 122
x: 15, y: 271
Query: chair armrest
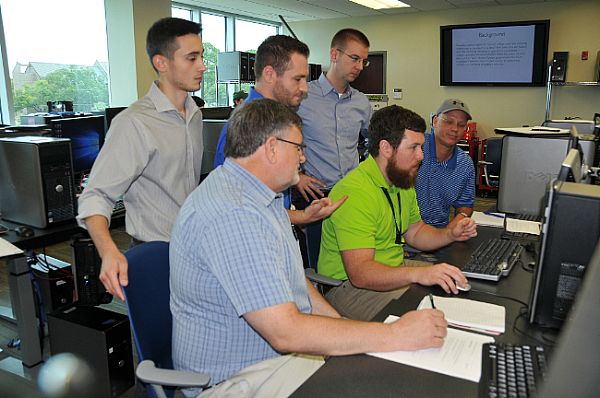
x: 147, y: 372
x: 312, y: 276
x: 483, y: 162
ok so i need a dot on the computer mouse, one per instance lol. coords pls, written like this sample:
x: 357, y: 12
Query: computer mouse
x: 23, y: 231
x: 464, y: 288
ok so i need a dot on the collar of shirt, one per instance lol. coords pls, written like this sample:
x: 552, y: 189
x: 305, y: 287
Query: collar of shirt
x: 253, y: 94
x: 371, y: 168
x: 450, y: 163
x: 327, y: 88
x: 252, y: 185
x: 164, y: 104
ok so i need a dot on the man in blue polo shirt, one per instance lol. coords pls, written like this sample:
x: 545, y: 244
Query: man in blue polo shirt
x: 447, y: 174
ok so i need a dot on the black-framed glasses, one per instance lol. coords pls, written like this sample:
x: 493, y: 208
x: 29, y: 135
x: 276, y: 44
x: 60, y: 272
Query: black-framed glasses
x: 355, y: 58
x: 300, y: 147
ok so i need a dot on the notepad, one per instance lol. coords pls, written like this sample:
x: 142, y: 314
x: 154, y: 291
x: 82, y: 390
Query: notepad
x: 488, y: 219
x: 525, y: 226
x: 460, y: 356
x: 469, y: 314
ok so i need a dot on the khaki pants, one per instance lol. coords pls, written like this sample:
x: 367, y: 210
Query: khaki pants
x: 363, y: 304
x: 272, y: 378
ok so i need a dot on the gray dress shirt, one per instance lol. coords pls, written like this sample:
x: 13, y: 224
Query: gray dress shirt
x: 332, y: 124
x: 151, y: 157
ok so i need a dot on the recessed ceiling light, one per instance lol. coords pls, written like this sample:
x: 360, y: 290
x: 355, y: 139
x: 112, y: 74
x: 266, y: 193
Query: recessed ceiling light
x: 379, y: 4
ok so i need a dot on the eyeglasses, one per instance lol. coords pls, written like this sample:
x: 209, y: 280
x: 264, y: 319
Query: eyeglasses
x: 300, y: 147
x: 451, y: 122
x: 355, y: 58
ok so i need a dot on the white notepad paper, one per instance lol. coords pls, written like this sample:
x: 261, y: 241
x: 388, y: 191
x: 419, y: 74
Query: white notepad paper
x: 469, y: 314
x: 488, y: 219
x: 460, y: 356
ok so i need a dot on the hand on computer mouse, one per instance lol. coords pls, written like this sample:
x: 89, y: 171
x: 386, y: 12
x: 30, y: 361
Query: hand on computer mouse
x: 464, y: 288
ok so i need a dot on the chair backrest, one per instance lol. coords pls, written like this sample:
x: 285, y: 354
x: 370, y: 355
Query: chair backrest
x: 313, y: 243
x: 493, y: 154
x: 147, y: 299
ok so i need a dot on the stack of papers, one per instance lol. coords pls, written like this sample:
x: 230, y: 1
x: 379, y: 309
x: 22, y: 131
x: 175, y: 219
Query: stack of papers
x: 460, y: 356
x: 469, y: 314
x: 488, y: 219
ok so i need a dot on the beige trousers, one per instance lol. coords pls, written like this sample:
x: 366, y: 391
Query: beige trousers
x: 272, y: 378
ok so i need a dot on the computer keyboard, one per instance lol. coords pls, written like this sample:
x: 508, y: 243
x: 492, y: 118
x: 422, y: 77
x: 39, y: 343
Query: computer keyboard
x: 493, y: 259
x: 511, y: 370
x: 119, y: 207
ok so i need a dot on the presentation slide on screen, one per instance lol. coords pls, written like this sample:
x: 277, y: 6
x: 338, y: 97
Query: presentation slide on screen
x: 497, y: 55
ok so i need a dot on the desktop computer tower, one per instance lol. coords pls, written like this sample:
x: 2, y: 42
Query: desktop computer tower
x: 101, y: 338
x: 87, y: 263
x: 36, y: 180
x: 528, y: 164
x: 569, y: 236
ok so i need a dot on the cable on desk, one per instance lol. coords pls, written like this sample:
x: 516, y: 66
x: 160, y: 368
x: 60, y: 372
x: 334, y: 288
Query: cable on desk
x: 545, y: 340
x: 500, y: 296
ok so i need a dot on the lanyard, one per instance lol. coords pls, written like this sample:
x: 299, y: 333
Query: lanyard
x: 399, y: 236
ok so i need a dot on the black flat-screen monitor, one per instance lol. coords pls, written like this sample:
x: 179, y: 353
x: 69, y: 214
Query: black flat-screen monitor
x: 570, y: 234
x: 110, y: 113
x: 494, y: 54
x: 87, y: 137
x: 372, y: 78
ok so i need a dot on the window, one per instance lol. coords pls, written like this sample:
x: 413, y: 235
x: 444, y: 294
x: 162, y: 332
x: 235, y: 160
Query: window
x: 57, y: 53
x: 218, y: 33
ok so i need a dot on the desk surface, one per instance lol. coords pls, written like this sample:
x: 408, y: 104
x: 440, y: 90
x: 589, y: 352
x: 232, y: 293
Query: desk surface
x: 51, y: 235
x: 367, y: 376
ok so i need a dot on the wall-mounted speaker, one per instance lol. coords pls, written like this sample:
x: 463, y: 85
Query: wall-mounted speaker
x: 559, y: 67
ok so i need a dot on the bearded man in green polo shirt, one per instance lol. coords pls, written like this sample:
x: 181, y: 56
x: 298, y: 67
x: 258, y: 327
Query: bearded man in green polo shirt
x: 362, y: 241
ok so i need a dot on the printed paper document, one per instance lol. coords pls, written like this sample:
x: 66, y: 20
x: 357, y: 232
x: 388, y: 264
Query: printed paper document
x: 460, y: 356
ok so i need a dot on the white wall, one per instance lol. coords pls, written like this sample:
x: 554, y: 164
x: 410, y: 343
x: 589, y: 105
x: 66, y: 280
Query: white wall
x: 412, y: 43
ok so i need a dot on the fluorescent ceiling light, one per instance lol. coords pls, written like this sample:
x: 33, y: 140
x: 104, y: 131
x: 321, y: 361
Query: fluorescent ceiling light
x: 379, y: 4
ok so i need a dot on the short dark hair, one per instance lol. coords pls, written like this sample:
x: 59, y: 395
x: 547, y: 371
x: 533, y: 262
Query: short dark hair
x: 162, y: 36
x: 253, y: 122
x: 389, y: 124
x: 343, y: 36
x: 277, y: 51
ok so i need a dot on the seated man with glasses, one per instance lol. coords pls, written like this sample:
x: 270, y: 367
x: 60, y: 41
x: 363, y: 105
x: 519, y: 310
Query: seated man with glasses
x: 362, y: 241
x: 447, y: 175
x: 334, y: 116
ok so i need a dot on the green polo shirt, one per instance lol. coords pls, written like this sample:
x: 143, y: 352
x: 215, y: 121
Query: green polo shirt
x: 365, y: 220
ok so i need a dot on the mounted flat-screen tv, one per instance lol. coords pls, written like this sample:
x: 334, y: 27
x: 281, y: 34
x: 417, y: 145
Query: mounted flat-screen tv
x: 494, y: 54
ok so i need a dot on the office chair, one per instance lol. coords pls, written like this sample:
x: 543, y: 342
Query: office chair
x: 147, y: 300
x: 313, y: 245
x: 490, y: 165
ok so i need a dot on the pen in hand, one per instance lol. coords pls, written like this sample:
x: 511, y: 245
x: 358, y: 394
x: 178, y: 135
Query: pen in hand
x: 431, y: 300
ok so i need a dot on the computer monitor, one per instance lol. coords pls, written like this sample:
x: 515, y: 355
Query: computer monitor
x: 570, y: 233
x: 110, y: 113
x: 574, y: 366
x: 570, y: 169
x: 87, y: 137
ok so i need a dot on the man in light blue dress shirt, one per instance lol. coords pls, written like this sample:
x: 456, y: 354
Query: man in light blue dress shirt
x: 334, y: 116
x: 242, y: 310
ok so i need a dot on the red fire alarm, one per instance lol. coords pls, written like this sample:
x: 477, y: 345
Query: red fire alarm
x: 584, y: 55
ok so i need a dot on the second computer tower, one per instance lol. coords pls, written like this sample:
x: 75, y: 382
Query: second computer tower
x: 36, y: 180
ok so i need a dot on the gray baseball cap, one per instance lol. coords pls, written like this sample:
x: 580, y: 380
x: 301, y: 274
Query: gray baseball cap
x: 454, y: 104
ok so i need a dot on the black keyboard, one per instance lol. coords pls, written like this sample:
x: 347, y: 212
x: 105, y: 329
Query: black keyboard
x: 493, y: 259
x: 511, y: 370
x: 119, y: 207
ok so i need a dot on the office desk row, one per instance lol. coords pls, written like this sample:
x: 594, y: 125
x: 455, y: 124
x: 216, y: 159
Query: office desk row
x: 367, y: 376
x: 23, y: 311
